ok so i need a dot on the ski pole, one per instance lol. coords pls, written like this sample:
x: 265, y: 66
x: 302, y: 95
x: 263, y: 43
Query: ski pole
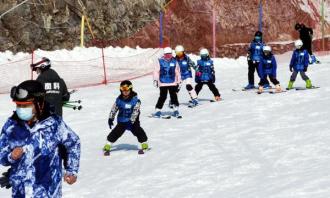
x: 72, y: 101
x: 74, y: 107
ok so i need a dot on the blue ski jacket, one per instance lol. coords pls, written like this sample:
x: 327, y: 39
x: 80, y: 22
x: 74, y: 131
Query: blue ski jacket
x: 186, y: 64
x: 267, y: 66
x: 206, y: 68
x: 38, y: 173
x: 299, y: 60
x: 255, y: 50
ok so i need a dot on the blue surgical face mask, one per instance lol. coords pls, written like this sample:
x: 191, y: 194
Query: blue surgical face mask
x: 24, y: 113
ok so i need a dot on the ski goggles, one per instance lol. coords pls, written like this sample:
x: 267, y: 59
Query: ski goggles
x: 22, y: 96
x: 126, y: 87
x: 179, y: 54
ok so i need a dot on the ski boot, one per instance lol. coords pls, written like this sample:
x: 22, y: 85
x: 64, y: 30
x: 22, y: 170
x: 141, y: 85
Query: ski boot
x: 157, y: 114
x: 217, y: 98
x: 309, y: 84
x: 278, y: 88
x: 193, y: 102
x: 106, y: 149
x: 290, y: 85
x: 249, y: 86
x: 176, y: 113
x: 313, y: 60
x: 144, y: 146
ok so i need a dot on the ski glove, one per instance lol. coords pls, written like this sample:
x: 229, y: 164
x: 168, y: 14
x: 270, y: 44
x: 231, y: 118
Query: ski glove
x: 305, y: 69
x: 4, y: 180
x: 198, y: 73
x: 110, y: 123
x: 291, y: 69
x: 156, y: 83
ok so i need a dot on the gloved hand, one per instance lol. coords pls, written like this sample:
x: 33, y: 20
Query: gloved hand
x: 110, y: 123
x: 291, y: 69
x: 155, y: 83
x: 198, y: 73
x: 305, y: 69
x: 4, y: 180
x: 179, y: 86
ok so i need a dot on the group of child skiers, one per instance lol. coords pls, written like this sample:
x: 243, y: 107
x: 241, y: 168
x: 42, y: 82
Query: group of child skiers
x: 173, y: 71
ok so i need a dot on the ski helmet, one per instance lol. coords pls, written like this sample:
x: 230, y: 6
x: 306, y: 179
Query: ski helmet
x: 297, y: 26
x: 267, y: 48
x: 29, y: 92
x: 167, y: 50
x: 204, y: 52
x: 298, y: 44
x: 44, y: 64
x: 179, y: 50
x: 126, y: 85
x: 258, y: 33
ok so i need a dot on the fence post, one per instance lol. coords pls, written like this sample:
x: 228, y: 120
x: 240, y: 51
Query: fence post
x: 260, y: 15
x: 322, y: 25
x: 104, y: 70
x: 160, y: 29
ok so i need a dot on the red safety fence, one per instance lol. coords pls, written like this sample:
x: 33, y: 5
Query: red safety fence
x: 83, y: 67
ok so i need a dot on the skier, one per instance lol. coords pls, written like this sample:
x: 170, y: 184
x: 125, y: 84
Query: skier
x: 205, y: 74
x: 56, y: 89
x: 128, y: 106
x: 29, y: 144
x: 254, y: 56
x: 267, y: 68
x: 167, y: 77
x: 186, y: 64
x: 306, y: 36
x: 299, y: 64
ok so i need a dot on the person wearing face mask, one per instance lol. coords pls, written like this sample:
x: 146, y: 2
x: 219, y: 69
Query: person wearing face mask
x: 29, y: 145
x: 205, y: 74
x: 167, y: 77
x: 254, y: 56
x: 267, y: 68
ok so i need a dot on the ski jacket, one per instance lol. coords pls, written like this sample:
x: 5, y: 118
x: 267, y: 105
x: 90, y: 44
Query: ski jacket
x: 56, y: 90
x: 306, y: 34
x: 186, y: 64
x: 206, y: 69
x: 38, y: 173
x: 167, y: 73
x: 255, y: 50
x: 129, y: 109
x: 299, y: 60
x: 267, y: 66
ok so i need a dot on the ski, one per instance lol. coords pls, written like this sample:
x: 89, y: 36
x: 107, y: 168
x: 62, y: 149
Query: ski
x: 106, y: 153
x: 161, y: 117
x: 243, y: 89
x: 304, y: 88
x: 141, y: 152
x: 276, y: 92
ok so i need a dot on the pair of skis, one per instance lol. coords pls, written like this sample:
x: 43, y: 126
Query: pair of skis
x: 140, y: 152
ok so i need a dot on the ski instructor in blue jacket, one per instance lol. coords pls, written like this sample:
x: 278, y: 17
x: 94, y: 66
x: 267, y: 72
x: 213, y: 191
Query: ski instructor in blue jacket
x: 29, y: 143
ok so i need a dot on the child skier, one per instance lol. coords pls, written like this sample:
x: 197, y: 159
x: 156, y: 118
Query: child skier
x: 128, y: 105
x: 205, y: 74
x: 267, y: 68
x: 299, y: 64
x: 186, y: 64
x: 167, y: 77
x: 254, y: 56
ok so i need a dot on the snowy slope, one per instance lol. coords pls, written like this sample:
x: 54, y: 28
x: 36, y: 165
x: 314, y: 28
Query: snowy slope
x: 247, y: 145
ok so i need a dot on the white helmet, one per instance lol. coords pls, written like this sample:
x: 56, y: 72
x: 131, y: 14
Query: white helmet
x: 298, y: 44
x: 204, y: 52
x: 179, y: 48
x: 267, y: 48
x: 167, y: 50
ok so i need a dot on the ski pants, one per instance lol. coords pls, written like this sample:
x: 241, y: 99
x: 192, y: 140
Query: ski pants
x: 211, y: 86
x: 295, y: 73
x: 253, y: 66
x: 120, y: 128
x: 264, y: 80
x: 307, y: 45
x: 163, y: 95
